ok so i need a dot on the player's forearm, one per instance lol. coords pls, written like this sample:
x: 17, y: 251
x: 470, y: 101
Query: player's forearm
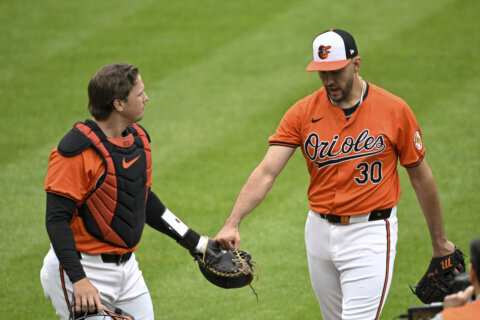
x: 430, y: 204
x: 259, y: 183
x: 58, y: 216
x: 251, y: 195
x: 428, y: 197
x: 163, y: 220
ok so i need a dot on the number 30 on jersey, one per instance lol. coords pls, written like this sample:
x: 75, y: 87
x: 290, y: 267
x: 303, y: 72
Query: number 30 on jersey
x: 369, y: 172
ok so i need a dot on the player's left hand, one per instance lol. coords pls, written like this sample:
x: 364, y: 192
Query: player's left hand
x: 444, y: 249
x: 447, y: 249
x: 435, y: 285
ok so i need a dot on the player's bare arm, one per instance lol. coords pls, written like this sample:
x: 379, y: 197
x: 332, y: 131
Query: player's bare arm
x: 253, y: 192
x: 424, y: 185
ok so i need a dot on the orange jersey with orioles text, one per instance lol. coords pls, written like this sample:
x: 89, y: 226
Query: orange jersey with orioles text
x: 352, y: 163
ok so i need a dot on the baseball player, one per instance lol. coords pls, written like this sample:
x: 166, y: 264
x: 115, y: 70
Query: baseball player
x: 351, y: 133
x: 99, y: 198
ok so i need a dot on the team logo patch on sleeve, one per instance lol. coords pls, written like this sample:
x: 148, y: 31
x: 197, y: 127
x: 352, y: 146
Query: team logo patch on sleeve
x: 417, y: 139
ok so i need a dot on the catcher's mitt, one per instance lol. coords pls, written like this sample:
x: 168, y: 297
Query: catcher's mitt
x: 225, y: 268
x: 437, y: 281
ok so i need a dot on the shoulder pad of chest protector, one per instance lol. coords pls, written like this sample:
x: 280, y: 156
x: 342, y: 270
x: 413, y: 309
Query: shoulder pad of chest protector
x: 132, y: 129
x: 73, y: 143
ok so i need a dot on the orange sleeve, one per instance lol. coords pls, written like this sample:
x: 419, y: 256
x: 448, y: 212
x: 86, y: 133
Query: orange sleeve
x: 289, y: 131
x: 410, y: 145
x: 73, y: 177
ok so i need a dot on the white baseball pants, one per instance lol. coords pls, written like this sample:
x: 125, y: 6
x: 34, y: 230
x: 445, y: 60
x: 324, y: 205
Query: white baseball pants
x: 351, y: 265
x: 121, y: 285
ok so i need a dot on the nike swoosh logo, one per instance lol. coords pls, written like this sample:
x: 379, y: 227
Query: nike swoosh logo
x: 316, y: 120
x: 128, y: 164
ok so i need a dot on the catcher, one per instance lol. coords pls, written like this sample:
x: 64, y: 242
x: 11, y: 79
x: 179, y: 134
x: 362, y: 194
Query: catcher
x: 99, y: 198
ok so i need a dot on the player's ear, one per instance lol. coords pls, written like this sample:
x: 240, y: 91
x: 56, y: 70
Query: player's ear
x: 357, y: 62
x: 118, y: 104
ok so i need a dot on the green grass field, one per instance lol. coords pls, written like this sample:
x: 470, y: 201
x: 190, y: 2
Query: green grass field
x: 219, y: 75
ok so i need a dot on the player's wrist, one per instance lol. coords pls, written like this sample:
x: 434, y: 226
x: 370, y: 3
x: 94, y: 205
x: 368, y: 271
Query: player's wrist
x: 190, y: 240
x: 202, y: 244
x: 232, y: 223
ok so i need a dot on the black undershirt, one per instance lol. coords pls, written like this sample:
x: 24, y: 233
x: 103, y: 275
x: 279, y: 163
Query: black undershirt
x: 349, y: 111
x: 60, y: 211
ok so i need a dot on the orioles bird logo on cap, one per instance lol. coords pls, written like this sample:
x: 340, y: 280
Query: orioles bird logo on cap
x: 323, y: 51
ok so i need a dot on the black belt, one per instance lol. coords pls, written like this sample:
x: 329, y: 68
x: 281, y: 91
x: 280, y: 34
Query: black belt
x: 374, y: 215
x: 114, y: 258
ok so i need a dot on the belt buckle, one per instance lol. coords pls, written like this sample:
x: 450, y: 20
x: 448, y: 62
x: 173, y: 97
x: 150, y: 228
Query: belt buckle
x: 344, y: 219
x: 119, y: 259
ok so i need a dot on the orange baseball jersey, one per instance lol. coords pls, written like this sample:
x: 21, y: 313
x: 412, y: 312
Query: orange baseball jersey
x: 74, y: 178
x: 352, y: 163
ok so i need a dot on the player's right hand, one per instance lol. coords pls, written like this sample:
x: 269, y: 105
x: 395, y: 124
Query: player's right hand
x: 459, y: 299
x: 86, y: 297
x: 228, y: 238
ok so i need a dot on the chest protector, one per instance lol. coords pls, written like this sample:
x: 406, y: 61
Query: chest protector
x: 114, y: 211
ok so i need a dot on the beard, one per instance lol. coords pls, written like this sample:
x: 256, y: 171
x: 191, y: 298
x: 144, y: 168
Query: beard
x: 344, y: 92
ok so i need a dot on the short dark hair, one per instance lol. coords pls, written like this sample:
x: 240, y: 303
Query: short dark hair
x: 475, y: 256
x: 113, y: 81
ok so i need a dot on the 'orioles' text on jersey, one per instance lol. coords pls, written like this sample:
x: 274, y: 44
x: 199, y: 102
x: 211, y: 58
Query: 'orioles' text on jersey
x: 109, y: 180
x: 352, y: 163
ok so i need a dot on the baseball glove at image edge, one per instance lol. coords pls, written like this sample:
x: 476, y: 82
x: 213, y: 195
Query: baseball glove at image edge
x: 436, y: 283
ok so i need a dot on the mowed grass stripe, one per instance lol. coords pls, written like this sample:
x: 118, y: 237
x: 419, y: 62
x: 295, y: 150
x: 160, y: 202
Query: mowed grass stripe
x: 40, y: 31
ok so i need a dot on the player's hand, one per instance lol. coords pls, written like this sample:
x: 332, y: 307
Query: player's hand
x: 458, y: 299
x: 228, y: 237
x: 86, y: 297
x: 444, y: 250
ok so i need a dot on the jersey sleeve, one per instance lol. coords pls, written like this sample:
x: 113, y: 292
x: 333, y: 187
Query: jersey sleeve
x: 289, y: 131
x: 73, y: 177
x: 411, y: 150
x: 58, y: 216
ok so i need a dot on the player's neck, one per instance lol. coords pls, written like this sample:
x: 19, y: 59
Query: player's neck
x: 111, y: 127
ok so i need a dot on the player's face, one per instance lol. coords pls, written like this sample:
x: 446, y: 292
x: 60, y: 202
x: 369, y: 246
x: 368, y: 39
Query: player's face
x: 338, y: 83
x: 134, y: 105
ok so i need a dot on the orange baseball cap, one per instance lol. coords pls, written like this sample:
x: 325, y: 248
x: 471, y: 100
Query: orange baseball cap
x: 332, y: 50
